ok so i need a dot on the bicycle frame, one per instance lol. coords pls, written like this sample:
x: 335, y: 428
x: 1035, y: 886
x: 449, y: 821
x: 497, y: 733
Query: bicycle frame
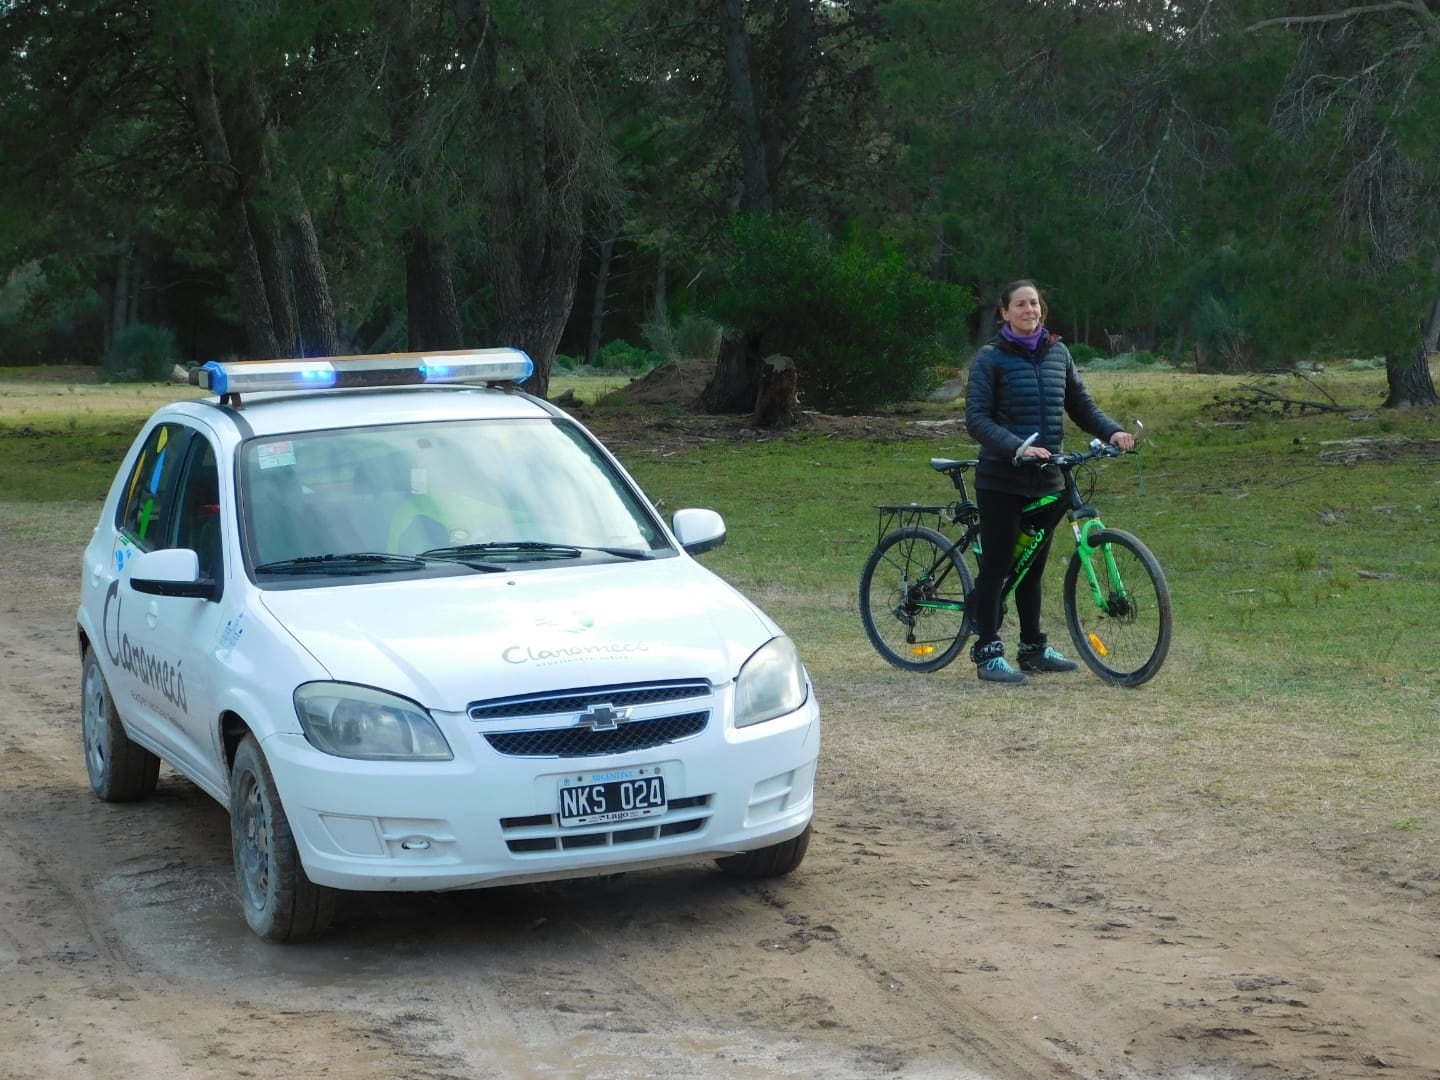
x: 1084, y: 520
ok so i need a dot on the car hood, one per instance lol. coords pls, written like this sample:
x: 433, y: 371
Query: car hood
x: 446, y: 642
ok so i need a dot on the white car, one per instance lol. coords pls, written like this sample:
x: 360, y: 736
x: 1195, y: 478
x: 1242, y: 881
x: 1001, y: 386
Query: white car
x: 426, y: 637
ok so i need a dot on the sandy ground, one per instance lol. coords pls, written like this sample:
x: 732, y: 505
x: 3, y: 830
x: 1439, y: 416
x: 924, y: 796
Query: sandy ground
x: 947, y: 923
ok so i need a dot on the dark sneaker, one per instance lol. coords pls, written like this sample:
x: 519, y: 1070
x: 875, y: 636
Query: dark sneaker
x: 1044, y: 658
x: 998, y: 670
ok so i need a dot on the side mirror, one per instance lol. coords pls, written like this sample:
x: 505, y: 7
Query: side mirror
x: 698, y: 531
x: 171, y: 572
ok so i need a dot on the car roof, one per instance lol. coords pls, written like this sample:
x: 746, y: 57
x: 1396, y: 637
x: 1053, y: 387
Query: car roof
x: 267, y: 414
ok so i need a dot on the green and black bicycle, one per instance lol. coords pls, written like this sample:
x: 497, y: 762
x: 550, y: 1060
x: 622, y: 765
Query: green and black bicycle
x: 914, y: 587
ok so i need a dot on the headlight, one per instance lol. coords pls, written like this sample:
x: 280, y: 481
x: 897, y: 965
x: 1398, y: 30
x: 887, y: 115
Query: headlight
x: 771, y: 684
x: 358, y: 722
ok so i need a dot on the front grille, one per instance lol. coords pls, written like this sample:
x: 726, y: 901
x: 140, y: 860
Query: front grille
x: 563, y: 736
x: 581, y: 741
x: 577, y: 701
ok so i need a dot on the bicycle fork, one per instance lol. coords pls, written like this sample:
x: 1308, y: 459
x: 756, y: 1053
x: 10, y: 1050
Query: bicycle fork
x: 1114, y: 602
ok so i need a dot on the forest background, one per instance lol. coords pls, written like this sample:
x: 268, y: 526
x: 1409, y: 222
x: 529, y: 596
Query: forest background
x: 1229, y: 187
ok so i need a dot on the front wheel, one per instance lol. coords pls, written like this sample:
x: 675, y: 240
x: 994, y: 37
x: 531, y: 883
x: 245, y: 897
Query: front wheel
x: 777, y: 860
x: 912, y: 599
x: 1123, y: 633
x: 280, y: 902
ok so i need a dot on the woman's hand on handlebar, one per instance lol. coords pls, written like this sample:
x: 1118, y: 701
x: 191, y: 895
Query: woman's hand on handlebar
x: 1034, y: 454
x: 1123, y: 440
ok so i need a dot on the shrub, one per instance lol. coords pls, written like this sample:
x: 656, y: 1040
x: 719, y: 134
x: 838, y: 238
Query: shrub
x: 568, y: 363
x: 622, y: 356
x: 1083, y: 354
x: 698, y: 338
x: 863, y: 328
x: 140, y: 353
x: 660, y: 336
x: 694, y: 337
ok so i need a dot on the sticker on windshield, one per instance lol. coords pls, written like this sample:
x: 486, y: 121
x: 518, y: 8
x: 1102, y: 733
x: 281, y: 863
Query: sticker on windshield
x: 274, y: 455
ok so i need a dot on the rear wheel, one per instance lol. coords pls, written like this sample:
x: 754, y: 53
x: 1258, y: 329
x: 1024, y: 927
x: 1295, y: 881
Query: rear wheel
x: 1124, y: 637
x: 280, y: 902
x: 912, y: 599
x: 777, y: 860
x: 121, y: 770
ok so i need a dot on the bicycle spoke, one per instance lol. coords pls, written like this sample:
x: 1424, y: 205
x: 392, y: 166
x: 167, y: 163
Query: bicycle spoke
x: 912, y: 599
x: 1124, y: 635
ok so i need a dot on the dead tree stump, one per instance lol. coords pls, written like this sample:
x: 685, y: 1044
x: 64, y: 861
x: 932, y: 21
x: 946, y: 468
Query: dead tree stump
x: 775, y: 403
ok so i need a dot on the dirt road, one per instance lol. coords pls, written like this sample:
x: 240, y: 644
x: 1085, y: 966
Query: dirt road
x: 954, y: 919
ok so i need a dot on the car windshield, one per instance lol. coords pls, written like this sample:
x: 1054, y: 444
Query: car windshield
x: 456, y: 494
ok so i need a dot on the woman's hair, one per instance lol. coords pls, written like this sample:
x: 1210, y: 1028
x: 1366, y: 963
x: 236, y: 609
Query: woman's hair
x: 1009, y: 291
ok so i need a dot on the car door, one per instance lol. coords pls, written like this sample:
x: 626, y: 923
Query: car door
x: 172, y: 500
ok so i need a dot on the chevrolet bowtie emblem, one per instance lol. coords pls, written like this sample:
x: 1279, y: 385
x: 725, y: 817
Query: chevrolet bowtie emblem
x: 602, y: 718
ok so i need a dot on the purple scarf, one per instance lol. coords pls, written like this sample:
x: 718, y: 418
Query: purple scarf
x: 1030, y: 341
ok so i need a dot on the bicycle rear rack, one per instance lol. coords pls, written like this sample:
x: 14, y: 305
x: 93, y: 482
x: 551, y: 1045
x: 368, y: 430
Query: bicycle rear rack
x: 900, y: 515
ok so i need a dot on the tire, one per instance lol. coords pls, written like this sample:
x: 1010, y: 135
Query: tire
x: 279, y: 901
x: 777, y: 860
x: 912, y: 599
x: 121, y: 770
x: 1125, y: 642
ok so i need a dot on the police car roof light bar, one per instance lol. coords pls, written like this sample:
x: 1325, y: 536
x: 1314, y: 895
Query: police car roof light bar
x: 228, y: 379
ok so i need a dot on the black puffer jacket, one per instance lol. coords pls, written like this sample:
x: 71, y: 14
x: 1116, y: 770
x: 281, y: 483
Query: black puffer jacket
x: 1013, y: 394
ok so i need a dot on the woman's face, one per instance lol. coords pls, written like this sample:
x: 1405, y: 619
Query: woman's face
x: 1023, y: 313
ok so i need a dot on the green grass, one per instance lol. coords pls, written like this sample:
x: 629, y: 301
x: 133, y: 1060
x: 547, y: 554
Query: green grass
x: 1301, y: 686
x: 1300, y: 693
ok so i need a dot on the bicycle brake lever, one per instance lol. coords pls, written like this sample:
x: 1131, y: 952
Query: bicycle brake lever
x: 1019, y: 450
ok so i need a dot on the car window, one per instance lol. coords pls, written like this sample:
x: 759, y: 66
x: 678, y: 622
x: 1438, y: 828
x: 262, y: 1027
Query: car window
x: 197, y: 508
x: 144, y: 513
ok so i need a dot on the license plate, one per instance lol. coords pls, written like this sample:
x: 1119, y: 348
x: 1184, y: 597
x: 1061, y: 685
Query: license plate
x: 619, y: 795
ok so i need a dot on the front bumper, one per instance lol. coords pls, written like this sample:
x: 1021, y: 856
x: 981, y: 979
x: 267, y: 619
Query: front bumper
x: 487, y: 819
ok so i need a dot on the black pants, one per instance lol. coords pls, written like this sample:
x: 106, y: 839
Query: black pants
x: 1001, y: 517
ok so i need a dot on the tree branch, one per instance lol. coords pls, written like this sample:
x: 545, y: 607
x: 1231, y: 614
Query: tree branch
x: 1415, y: 7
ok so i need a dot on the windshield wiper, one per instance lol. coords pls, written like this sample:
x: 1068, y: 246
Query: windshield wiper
x: 528, y: 549
x: 355, y: 562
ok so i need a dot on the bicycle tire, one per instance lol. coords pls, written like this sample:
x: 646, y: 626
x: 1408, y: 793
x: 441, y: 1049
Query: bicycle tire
x: 1126, y: 640
x: 912, y: 599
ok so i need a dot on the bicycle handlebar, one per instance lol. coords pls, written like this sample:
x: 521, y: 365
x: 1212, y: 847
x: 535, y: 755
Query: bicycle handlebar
x: 1097, y: 449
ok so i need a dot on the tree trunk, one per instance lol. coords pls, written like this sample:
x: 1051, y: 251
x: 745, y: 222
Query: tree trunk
x: 243, y: 117
x: 597, y: 308
x: 430, y: 292
x: 736, y: 382
x: 314, y: 309
x: 755, y: 182
x: 662, y: 286
x: 433, y: 312
x: 796, y: 48
x: 315, y: 327
x: 533, y: 269
x: 1409, y: 381
x: 234, y: 226
x: 119, y: 313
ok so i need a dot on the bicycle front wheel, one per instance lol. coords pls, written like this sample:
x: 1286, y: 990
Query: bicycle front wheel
x: 912, y: 599
x: 1123, y: 633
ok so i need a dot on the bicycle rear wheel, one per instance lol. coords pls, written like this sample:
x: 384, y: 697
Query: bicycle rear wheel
x: 912, y: 599
x: 1123, y: 638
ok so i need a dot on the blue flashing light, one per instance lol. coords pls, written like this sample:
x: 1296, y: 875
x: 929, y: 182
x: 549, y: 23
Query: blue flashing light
x: 237, y: 378
x: 396, y: 369
x: 479, y: 365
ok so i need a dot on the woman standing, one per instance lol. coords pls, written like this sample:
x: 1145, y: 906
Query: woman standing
x: 1022, y: 383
